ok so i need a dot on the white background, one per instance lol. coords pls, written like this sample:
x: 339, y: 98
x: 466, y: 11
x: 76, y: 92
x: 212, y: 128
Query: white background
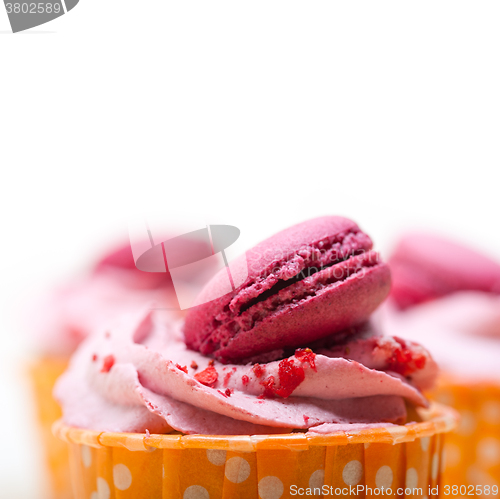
x: 265, y: 113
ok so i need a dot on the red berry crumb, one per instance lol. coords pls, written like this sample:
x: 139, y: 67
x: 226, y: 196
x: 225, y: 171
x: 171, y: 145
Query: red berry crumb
x: 182, y: 368
x: 404, y: 359
x: 306, y: 355
x: 94, y: 357
x: 207, y: 377
x: 211, y: 362
x: 258, y: 370
x: 194, y: 365
x: 107, y: 364
x: 420, y: 361
x: 245, y: 380
x: 290, y: 377
x: 227, y: 377
x: 228, y: 392
x: 269, y: 390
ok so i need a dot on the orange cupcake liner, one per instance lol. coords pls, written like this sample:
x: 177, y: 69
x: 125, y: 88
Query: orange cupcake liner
x: 43, y: 374
x: 472, y: 452
x: 405, y: 459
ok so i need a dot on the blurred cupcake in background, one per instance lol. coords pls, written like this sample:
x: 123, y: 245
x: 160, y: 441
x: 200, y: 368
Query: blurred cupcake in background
x: 448, y: 297
x: 68, y: 314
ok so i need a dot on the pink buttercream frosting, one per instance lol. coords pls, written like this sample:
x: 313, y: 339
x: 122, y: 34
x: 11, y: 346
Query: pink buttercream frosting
x: 139, y: 375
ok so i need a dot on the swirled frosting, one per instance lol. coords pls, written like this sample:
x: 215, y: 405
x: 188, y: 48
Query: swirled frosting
x: 139, y: 375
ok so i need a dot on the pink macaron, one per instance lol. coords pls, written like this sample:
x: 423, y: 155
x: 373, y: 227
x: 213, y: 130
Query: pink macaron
x: 312, y: 280
x: 425, y: 267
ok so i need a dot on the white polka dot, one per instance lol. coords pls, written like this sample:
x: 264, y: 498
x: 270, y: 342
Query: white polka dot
x: 449, y: 423
x: 488, y: 451
x: 352, y: 472
x: 467, y: 423
x: 217, y: 457
x: 237, y: 469
x: 271, y: 487
x: 384, y: 477
x: 435, y: 466
x: 367, y: 444
x: 122, y: 477
x: 445, y: 398
x: 196, y: 492
x: 411, y: 478
x: 94, y: 495
x: 476, y: 476
x: 86, y: 454
x: 424, y: 443
x: 103, y: 491
x: 317, y: 479
x: 452, y: 455
x: 491, y: 412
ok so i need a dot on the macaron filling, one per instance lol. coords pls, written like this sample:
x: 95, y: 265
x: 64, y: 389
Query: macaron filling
x: 271, y: 303
x: 306, y: 285
x: 300, y: 276
x: 281, y: 296
x: 297, y: 266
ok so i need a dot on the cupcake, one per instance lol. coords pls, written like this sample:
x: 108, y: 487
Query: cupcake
x: 281, y: 387
x: 447, y: 296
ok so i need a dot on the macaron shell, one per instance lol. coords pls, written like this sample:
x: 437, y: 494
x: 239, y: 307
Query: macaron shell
x: 318, y: 242
x: 283, y: 244
x: 412, y: 285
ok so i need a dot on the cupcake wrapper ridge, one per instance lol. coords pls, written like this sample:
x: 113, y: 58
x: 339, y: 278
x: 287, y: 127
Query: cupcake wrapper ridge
x: 121, y: 465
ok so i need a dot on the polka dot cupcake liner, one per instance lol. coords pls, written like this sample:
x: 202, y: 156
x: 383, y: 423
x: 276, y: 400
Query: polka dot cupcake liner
x: 126, y: 465
x: 472, y: 452
x: 43, y: 373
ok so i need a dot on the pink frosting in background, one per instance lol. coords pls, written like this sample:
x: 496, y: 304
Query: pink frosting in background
x: 461, y: 330
x: 449, y: 296
x: 68, y: 314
